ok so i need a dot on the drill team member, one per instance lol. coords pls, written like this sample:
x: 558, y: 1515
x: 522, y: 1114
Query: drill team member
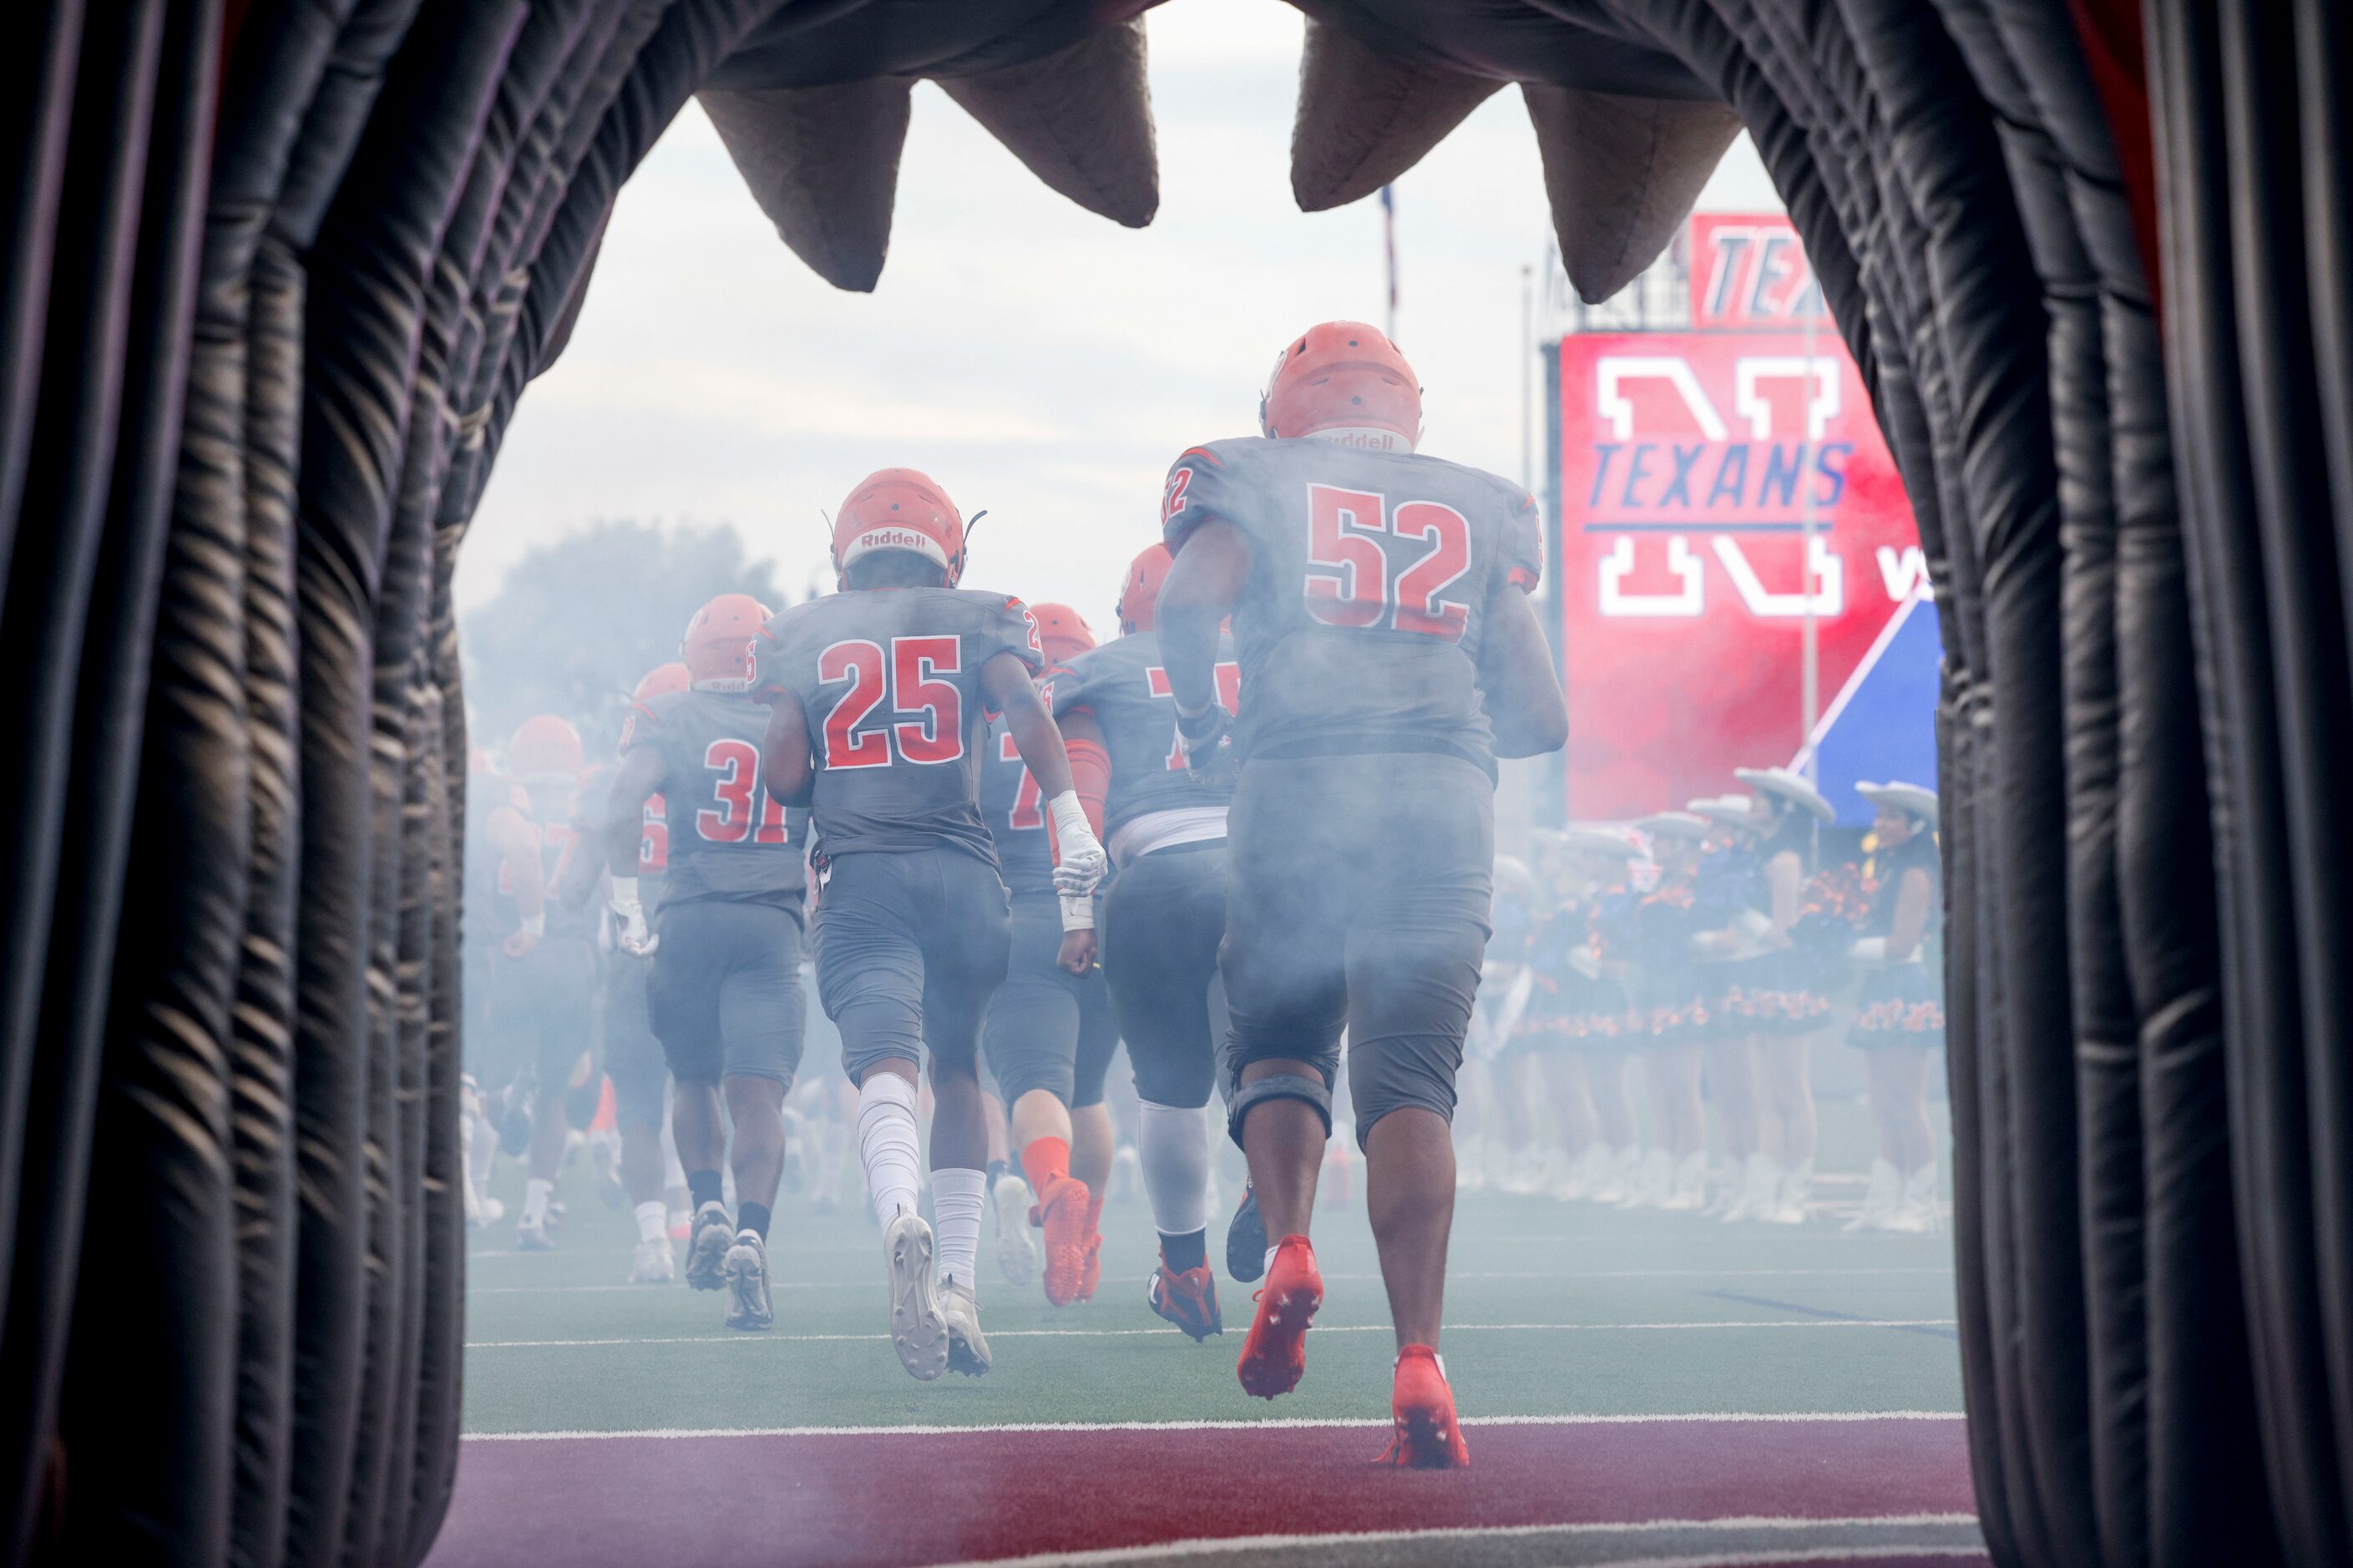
x: 723, y: 992
x: 1389, y: 655
x: 1163, y: 916
x: 878, y: 697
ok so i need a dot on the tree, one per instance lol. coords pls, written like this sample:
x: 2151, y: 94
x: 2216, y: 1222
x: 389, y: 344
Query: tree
x: 579, y: 623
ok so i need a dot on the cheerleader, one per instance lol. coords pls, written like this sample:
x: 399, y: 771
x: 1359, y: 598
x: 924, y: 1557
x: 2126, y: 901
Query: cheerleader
x: 1784, y: 1005
x: 1724, y: 936
x: 1486, y: 1119
x: 1561, y: 966
x: 1669, y: 1015
x: 1899, y: 1014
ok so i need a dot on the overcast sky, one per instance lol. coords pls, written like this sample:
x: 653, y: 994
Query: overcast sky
x: 1038, y: 362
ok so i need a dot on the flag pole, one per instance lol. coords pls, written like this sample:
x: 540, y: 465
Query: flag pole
x: 1389, y: 246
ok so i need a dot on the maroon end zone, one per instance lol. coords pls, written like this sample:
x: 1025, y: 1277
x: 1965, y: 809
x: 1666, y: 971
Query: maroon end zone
x: 900, y: 1500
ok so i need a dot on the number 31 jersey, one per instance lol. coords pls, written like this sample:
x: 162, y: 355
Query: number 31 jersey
x: 728, y: 840
x: 1361, y: 628
x: 890, y: 681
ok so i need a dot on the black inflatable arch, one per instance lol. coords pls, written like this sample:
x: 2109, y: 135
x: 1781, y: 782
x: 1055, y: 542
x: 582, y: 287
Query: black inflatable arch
x: 276, y: 274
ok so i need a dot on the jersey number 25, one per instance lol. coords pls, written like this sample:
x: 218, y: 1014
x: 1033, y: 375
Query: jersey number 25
x: 908, y: 679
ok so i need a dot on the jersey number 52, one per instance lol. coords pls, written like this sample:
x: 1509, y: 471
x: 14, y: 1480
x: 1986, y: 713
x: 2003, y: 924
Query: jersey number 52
x: 929, y: 711
x: 1349, y: 583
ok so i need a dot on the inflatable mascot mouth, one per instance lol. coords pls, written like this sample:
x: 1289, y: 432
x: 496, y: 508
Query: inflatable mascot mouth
x: 278, y: 271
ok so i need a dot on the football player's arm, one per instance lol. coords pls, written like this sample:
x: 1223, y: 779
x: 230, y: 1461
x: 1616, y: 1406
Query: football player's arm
x: 642, y: 774
x: 1523, y: 688
x: 1203, y: 584
x: 519, y: 865
x: 1079, y: 859
x: 1082, y: 741
x: 785, y: 759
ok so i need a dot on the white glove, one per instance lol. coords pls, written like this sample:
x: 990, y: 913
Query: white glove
x: 635, y: 935
x: 1081, y: 862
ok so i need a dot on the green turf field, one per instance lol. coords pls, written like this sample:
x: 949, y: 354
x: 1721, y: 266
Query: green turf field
x: 1553, y: 1309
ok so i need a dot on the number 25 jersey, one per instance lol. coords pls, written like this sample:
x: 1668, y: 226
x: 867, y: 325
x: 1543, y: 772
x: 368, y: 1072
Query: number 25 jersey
x: 1361, y: 628
x: 889, y: 679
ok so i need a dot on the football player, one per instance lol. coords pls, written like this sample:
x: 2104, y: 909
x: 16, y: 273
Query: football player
x: 1389, y: 655
x: 1165, y: 827
x: 633, y: 1056
x: 1048, y: 1035
x: 723, y: 990
x: 543, y: 977
x: 879, y: 695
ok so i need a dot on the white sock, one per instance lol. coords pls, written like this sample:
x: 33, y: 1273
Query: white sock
x: 1173, y: 1144
x: 956, y: 1198
x: 653, y: 1221
x: 535, y: 1196
x: 1269, y: 1263
x: 886, y: 1141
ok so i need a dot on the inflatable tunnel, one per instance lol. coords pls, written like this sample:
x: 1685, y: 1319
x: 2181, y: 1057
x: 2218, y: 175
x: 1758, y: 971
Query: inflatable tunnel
x: 278, y: 271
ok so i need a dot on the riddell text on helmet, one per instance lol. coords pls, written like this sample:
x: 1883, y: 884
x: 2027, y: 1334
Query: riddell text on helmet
x: 895, y: 539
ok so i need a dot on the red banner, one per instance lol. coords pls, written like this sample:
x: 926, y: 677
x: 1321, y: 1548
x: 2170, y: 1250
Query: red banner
x: 1749, y: 273
x: 1694, y: 467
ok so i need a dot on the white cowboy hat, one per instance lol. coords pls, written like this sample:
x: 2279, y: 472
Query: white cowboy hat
x: 1791, y: 787
x: 1730, y: 810
x: 1919, y: 801
x: 1612, y: 841
x: 1673, y: 825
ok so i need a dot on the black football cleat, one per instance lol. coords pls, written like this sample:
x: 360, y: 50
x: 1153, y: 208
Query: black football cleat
x: 1246, y: 1240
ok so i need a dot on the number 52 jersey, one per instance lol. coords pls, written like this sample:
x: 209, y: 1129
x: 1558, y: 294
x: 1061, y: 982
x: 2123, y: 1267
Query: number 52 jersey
x: 1362, y: 625
x: 890, y: 681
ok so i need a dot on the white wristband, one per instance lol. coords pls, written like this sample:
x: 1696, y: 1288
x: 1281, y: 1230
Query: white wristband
x: 625, y: 890
x: 1077, y: 911
x: 1071, y: 825
x: 535, y: 925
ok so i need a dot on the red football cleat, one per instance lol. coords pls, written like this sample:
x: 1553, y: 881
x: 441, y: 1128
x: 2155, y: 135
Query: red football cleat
x: 1428, y: 1435
x: 1062, y: 1210
x: 1187, y: 1298
x: 1274, y: 1357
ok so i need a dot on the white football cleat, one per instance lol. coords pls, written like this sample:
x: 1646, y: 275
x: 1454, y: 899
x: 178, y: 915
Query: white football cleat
x: 967, y: 1347
x: 745, y: 1270
x: 707, y: 1247
x: 654, y: 1264
x: 918, y: 1331
x: 1016, y: 1251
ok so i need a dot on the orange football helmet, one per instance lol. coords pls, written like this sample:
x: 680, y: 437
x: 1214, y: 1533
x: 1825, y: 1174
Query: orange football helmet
x: 1139, y: 596
x: 717, y: 647
x: 1344, y: 379
x: 660, y: 681
x: 1062, y: 632
x: 899, y: 509
x: 545, y: 751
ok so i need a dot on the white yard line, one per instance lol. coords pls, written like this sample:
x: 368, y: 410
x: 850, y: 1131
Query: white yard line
x: 1161, y: 1333
x: 652, y: 1291
x: 1179, y: 1550
x: 1725, y: 1417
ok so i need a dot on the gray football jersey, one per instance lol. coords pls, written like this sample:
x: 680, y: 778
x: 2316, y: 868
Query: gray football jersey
x: 1014, y: 811
x: 653, y: 829
x: 1361, y: 627
x: 727, y: 838
x: 890, y: 683
x: 1123, y: 684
